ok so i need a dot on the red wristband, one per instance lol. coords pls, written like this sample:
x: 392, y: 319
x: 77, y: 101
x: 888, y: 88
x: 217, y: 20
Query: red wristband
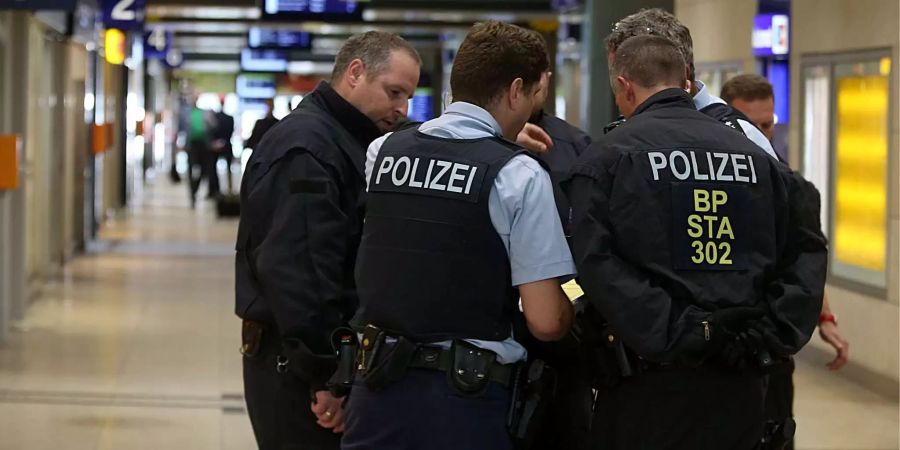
x: 827, y: 318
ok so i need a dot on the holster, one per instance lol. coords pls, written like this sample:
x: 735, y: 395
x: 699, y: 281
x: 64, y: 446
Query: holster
x: 346, y: 345
x: 251, y: 338
x: 471, y: 368
x: 607, y: 358
x: 381, y: 363
x: 778, y: 434
x: 532, y: 391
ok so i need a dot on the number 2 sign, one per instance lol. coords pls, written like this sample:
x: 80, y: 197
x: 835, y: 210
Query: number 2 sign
x: 123, y: 14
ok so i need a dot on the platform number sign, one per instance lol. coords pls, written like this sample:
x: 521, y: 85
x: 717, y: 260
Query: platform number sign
x: 157, y: 43
x: 123, y: 14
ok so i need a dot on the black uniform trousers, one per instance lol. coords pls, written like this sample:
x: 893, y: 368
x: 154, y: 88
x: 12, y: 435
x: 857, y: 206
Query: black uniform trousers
x: 704, y: 408
x: 279, y: 405
x: 567, y: 425
x: 423, y: 411
x: 780, y: 395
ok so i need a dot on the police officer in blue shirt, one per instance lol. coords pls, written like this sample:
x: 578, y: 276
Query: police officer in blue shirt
x: 460, y: 224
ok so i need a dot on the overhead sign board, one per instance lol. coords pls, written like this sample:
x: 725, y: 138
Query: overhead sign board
x: 259, y: 37
x: 319, y: 10
x: 123, y: 14
x: 263, y: 60
x: 52, y: 5
x: 771, y: 34
x: 157, y: 43
x: 255, y: 85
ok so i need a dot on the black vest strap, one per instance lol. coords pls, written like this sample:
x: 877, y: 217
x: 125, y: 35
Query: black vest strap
x: 727, y: 115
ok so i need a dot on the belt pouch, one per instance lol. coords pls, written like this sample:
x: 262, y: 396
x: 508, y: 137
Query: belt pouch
x: 471, y: 368
x: 388, y: 363
x: 251, y: 338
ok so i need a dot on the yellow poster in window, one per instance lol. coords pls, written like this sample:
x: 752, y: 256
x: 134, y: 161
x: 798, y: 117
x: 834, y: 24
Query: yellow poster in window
x: 861, y: 152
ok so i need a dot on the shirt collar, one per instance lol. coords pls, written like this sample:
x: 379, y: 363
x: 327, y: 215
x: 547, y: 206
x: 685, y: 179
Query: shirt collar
x: 479, y: 117
x: 703, y: 97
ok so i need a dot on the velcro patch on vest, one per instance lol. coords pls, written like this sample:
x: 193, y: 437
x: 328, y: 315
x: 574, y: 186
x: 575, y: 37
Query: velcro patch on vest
x: 308, y: 186
x: 442, y: 176
x: 710, y: 226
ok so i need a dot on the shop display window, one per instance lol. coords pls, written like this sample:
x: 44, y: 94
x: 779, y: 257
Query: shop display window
x: 846, y: 138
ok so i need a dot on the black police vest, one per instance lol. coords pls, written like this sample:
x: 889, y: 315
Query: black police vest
x: 729, y: 116
x: 431, y: 265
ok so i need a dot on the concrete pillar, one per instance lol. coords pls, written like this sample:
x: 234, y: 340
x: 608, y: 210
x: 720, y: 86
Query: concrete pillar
x: 18, y: 101
x: 599, y: 18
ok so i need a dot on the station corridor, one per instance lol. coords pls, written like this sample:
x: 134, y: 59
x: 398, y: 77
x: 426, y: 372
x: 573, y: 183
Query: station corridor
x: 135, y: 346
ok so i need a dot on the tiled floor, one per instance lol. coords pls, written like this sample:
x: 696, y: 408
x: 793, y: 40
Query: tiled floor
x: 136, y: 347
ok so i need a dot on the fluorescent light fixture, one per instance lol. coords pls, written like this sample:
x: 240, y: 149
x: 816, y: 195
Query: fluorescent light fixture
x: 205, y: 12
x: 211, y: 66
x: 397, y: 15
x: 309, y: 68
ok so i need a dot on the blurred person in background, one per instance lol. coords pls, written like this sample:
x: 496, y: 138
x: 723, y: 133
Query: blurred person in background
x: 221, y: 147
x: 262, y: 126
x: 201, y: 124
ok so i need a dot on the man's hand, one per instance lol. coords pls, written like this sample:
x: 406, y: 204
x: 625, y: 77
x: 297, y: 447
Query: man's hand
x: 728, y: 322
x: 329, y: 411
x: 534, y: 138
x: 831, y: 334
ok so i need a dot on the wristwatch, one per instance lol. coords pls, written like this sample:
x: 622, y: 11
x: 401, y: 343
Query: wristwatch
x: 827, y: 318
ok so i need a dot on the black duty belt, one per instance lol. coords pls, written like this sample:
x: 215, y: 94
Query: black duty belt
x: 438, y: 358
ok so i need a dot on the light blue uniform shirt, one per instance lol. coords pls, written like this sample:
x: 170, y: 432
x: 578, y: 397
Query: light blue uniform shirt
x: 521, y: 207
x: 704, y: 99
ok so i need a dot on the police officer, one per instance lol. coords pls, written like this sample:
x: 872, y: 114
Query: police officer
x: 659, y: 22
x: 679, y: 234
x: 460, y: 224
x: 297, y: 240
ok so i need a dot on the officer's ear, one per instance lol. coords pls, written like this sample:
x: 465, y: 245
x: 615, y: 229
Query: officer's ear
x: 625, y: 87
x: 356, y: 70
x: 516, y: 92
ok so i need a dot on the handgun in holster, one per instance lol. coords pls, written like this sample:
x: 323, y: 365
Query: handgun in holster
x: 346, y: 346
x: 532, y: 390
x: 607, y: 358
x: 379, y: 362
x: 778, y: 434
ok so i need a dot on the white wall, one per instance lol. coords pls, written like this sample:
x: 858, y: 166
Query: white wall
x: 832, y: 26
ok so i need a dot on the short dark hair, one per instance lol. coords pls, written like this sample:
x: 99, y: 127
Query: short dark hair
x: 492, y: 56
x: 747, y: 87
x: 374, y: 49
x: 649, y: 61
x: 655, y: 22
